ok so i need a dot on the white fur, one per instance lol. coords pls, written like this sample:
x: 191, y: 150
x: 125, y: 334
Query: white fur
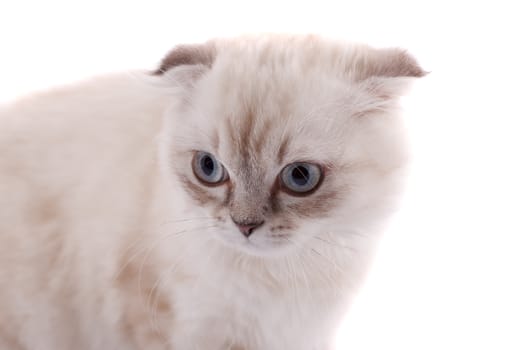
x: 81, y: 185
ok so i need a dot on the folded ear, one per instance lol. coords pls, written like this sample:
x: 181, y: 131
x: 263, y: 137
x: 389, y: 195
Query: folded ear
x: 199, y: 54
x: 386, y: 73
x: 386, y: 63
x: 185, y: 64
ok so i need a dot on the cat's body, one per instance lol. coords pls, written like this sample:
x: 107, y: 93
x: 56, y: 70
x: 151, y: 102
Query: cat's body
x: 108, y: 240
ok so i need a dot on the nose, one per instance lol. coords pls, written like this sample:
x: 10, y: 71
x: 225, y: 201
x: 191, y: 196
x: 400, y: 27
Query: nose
x: 248, y: 228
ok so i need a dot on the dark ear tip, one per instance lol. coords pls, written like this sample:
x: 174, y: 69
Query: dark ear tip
x: 417, y: 71
x: 418, y: 74
x: 158, y: 71
x: 407, y: 65
x: 203, y: 54
x: 387, y: 63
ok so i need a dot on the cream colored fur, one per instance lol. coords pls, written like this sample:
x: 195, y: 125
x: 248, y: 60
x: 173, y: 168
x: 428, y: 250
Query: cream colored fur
x: 101, y: 247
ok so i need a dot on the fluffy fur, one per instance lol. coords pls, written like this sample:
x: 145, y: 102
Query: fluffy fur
x: 108, y: 241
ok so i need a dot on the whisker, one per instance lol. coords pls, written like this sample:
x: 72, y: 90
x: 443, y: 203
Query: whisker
x: 148, y: 238
x: 172, y: 221
x: 335, y: 244
x: 349, y: 232
x: 150, y: 250
x: 328, y: 260
x: 153, y: 304
x: 299, y: 264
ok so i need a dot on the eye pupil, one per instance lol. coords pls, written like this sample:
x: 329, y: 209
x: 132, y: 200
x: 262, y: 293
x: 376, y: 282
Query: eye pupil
x: 300, y: 178
x: 207, y: 165
x: 208, y: 169
x: 300, y: 175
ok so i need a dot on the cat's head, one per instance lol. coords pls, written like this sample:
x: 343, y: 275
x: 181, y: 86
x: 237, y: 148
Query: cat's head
x: 283, y: 140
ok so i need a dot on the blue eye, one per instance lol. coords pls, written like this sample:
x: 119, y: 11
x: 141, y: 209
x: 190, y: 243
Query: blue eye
x: 208, y: 169
x: 301, y: 178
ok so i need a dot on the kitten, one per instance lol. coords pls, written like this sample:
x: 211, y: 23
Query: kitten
x: 232, y: 204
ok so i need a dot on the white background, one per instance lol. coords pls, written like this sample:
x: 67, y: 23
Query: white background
x: 451, y: 271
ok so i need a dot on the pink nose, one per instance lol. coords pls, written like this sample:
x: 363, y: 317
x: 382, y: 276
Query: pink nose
x: 247, y: 229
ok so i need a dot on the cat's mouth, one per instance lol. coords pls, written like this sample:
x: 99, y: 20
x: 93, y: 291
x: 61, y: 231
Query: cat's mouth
x: 264, y: 242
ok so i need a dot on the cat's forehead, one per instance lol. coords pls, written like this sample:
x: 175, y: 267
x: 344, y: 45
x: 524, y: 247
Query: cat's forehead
x: 266, y: 118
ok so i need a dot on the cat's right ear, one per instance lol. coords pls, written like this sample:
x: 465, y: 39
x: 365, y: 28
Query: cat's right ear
x: 385, y: 73
x: 185, y: 64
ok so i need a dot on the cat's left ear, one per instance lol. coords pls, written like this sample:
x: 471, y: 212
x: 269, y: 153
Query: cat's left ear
x: 185, y: 64
x: 386, y: 73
